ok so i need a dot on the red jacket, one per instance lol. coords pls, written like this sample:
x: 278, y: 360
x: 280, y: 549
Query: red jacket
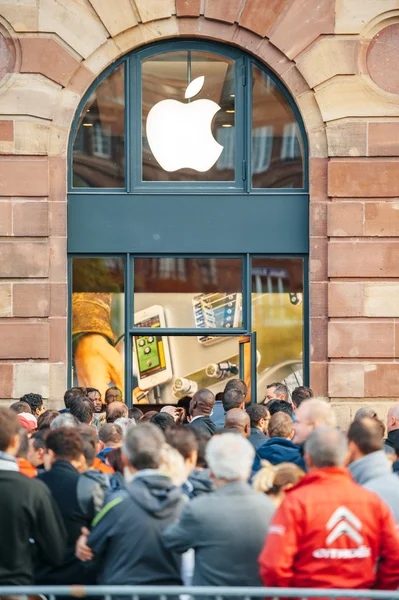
x: 331, y: 533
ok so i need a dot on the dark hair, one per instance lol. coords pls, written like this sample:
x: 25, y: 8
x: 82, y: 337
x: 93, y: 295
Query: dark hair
x: 35, y: 401
x: 39, y: 439
x: 74, y: 392
x: 280, y: 425
x: 232, y: 398
x: 163, y: 421
x: 275, y: 406
x: 237, y: 384
x: 143, y: 446
x: 257, y: 412
x: 20, y: 407
x: 219, y: 397
x: 46, y: 418
x: 114, y: 459
x: 91, y: 390
x: 135, y: 413
x: 110, y: 434
x: 89, y: 445
x: 83, y: 409
x: 183, y: 439
x: 203, y: 438
x: 65, y: 442
x: 116, y: 410
x: 148, y: 415
x: 281, y: 389
x: 300, y: 394
x: 9, y: 427
x: 366, y: 434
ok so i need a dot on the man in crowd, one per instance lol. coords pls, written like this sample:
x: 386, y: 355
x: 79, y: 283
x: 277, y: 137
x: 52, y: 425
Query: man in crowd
x: 163, y: 420
x: 20, y: 407
x: 279, y: 447
x: 127, y: 534
x: 259, y: 419
x: 329, y: 532
x: 183, y: 439
x: 36, y: 451
x: 277, y: 391
x: 299, y: 394
x: 113, y: 394
x: 35, y: 402
x: 70, y: 394
x: 238, y: 420
x: 200, y: 478
x: 275, y: 406
x: 226, y: 528
x: 27, y: 512
x: 110, y: 437
x: 25, y: 467
x: 201, y: 407
x: 235, y: 400
x: 95, y: 395
x: 82, y: 409
x: 310, y: 415
x: 116, y: 410
x: 369, y: 465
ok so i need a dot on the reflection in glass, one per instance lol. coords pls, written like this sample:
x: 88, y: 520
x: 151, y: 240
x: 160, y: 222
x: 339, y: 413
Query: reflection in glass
x: 277, y: 315
x: 192, y: 292
x: 277, y: 152
x: 179, y: 366
x: 98, y: 322
x: 166, y: 77
x: 99, y: 147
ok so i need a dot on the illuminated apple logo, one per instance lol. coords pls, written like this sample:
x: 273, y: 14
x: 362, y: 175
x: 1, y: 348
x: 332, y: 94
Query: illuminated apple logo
x: 180, y: 135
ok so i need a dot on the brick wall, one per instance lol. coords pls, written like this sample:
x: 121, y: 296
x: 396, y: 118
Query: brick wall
x: 334, y: 56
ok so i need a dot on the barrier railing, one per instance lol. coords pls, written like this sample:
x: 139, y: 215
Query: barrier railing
x: 165, y: 592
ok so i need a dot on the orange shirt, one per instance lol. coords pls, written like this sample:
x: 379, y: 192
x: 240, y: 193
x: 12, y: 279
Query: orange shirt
x: 100, y: 466
x: 26, y: 468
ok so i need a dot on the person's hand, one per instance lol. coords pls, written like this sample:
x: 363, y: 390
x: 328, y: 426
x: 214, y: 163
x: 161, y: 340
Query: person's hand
x: 180, y: 415
x: 97, y: 363
x: 82, y: 550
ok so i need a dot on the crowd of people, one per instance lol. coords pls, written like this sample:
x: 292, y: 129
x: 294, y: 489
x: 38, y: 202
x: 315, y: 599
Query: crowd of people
x: 209, y: 492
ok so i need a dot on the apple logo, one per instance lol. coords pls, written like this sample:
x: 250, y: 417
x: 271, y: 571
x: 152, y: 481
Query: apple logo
x: 180, y: 135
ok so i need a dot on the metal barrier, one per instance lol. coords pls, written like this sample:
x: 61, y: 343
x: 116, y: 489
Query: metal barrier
x: 165, y: 592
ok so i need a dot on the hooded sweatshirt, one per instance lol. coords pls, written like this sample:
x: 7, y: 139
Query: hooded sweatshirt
x: 126, y: 534
x: 201, y: 481
x: 279, y: 450
x: 374, y: 472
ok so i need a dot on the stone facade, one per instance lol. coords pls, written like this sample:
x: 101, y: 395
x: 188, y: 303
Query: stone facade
x: 335, y: 56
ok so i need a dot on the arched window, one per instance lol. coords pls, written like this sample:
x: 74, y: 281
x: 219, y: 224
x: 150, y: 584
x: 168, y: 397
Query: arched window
x: 188, y: 226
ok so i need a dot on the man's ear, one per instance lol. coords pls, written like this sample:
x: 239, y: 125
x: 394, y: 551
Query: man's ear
x: 242, y: 407
x: 101, y: 445
x: 291, y: 435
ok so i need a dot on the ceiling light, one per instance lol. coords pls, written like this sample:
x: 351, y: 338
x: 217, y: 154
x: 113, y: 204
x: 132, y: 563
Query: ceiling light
x: 227, y: 125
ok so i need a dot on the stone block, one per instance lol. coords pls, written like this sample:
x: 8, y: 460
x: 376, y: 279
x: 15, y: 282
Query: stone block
x: 6, y: 380
x: 20, y: 176
x: 310, y: 111
x: 223, y: 10
x: 381, y: 299
x: 31, y: 300
x: 295, y: 82
x: 245, y: 39
x: 31, y: 137
x: 116, y: 16
x: 30, y: 94
x: 58, y: 142
x: 58, y: 219
x: 260, y: 16
x: 318, y: 179
x: 58, y: 260
x: 58, y: 385
x: 361, y: 339
x: 188, y: 8
x: 7, y: 131
x: 318, y: 378
x: 46, y: 56
x: 31, y: 377
x: 58, y: 339
x: 58, y: 178
x: 342, y: 414
x: 347, y: 138
x: 24, y: 340
x: 346, y: 380
x: 58, y: 299
x: 345, y: 299
x: 318, y: 218
x: 188, y: 26
x: 216, y: 30
x: 23, y: 259
x: 351, y: 17
x: 22, y: 15
x: 367, y: 178
x: 327, y: 57
x: 151, y: 10
x: 381, y: 219
x: 318, y: 147
x: 381, y: 380
x: 102, y: 57
x: 345, y: 219
x: 30, y: 219
x: 383, y: 139
x: 81, y: 80
x: 318, y: 339
x: 5, y: 218
x: 273, y: 57
x: 75, y: 22
x: 5, y: 300
x: 363, y: 259
x: 318, y: 259
x: 146, y: 33
x: 301, y: 23
x: 318, y: 299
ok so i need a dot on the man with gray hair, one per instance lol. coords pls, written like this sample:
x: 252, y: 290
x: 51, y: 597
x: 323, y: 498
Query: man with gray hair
x: 329, y: 532
x: 127, y: 534
x: 310, y: 415
x: 226, y: 528
x: 64, y: 420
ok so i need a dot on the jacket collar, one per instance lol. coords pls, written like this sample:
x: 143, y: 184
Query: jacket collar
x: 8, y: 462
x: 370, y: 466
x: 63, y: 465
x: 233, y: 487
x: 321, y: 475
x: 393, y: 438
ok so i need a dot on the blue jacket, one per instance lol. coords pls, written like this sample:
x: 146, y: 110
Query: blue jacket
x: 279, y: 450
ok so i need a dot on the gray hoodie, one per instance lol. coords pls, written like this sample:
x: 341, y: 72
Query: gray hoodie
x: 374, y: 472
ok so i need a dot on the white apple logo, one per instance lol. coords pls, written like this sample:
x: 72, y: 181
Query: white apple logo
x: 180, y: 135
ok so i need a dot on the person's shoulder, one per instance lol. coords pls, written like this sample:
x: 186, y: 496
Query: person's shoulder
x: 112, y: 508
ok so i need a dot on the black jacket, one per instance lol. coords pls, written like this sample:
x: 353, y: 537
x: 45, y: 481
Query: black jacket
x: 62, y: 480
x: 127, y: 534
x: 257, y: 438
x: 204, y: 424
x: 27, y: 512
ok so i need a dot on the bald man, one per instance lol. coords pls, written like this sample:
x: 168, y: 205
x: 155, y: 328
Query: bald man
x: 238, y: 419
x: 201, y: 407
x: 116, y: 410
x: 310, y: 415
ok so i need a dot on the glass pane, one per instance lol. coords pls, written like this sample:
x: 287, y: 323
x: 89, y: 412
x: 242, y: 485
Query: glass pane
x: 189, y: 139
x: 188, y: 292
x: 169, y: 368
x: 277, y: 313
x: 98, y: 323
x: 277, y: 152
x: 99, y: 146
